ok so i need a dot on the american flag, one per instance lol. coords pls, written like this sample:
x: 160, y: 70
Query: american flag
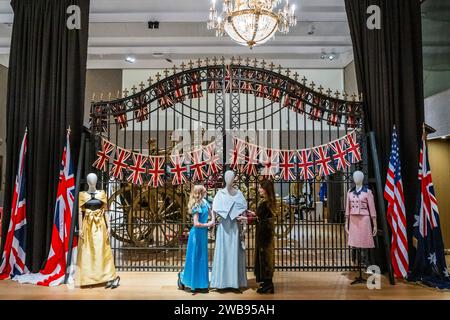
x: 396, y: 214
x: 14, y: 251
x: 429, y: 266
x: 53, y: 273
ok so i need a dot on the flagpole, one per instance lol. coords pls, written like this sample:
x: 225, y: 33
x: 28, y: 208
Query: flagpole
x: 75, y: 204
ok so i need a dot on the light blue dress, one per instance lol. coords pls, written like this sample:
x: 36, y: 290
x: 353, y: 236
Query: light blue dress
x: 195, y: 273
x: 229, y: 265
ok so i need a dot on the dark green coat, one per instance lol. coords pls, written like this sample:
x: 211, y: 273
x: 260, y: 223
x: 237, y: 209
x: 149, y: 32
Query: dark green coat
x: 264, y: 243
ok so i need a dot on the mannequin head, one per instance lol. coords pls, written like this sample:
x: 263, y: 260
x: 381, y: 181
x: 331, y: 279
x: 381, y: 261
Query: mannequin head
x: 358, y: 178
x: 91, y: 180
x: 229, y: 178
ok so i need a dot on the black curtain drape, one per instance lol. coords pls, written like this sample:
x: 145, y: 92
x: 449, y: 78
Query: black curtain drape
x: 389, y: 72
x: 46, y: 84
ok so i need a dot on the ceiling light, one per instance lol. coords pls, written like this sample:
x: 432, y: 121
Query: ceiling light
x: 158, y: 55
x: 130, y: 59
x: 251, y: 22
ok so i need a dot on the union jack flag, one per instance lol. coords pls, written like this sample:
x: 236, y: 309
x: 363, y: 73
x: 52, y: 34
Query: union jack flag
x: 198, y: 165
x: 119, y: 163
x: 195, y: 90
x: 354, y: 149
x: 120, y: 114
x: 178, y: 169
x: 103, y: 155
x: 230, y: 83
x: 396, y: 213
x: 251, y: 159
x: 305, y: 164
x: 238, y: 153
x: 287, y: 165
x: 137, y: 169
x: 270, y: 160
x: 99, y: 118
x: 142, y: 113
x: 247, y: 86
x: 54, y: 271
x: 178, y: 89
x: 339, y: 153
x: 212, y: 159
x: 333, y: 117
x: 316, y: 111
x: 14, y: 250
x: 429, y: 265
x: 164, y: 100
x: 156, y: 171
x: 351, y: 120
x: 323, y: 161
x: 275, y: 93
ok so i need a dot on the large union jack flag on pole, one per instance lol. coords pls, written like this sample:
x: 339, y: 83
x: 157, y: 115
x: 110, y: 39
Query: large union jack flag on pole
x: 429, y: 266
x: 14, y: 251
x: 396, y: 213
x: 53, y: 273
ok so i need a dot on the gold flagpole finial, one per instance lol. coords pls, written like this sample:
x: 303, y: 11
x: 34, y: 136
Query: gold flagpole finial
x: 69, y: 131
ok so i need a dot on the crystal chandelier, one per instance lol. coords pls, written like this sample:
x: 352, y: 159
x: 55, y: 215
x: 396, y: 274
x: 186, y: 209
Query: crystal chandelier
x: 251, y: 22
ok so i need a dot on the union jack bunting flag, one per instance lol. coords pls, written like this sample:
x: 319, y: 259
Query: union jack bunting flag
x: 262, y: 91
x: 178, y: 169
x: 164, y: 99
x: 142, y: 113
x: 195, y: 90
x: 230, y: 83
x: 14, y: 250
x: 270, y: 161
x: 396, y: 212
x: 429, y: 267
x: 251, y: 159
x: 275, y: 93
x: 305, y: 164
x: 99, y: 118
x: 137, y: 169
x: 54, y: 271
x: 120, y: 114
x: 247, y: 86
x: 103, y: 156
x: 300, y: 104
x: 287, y: 165
x: 178, y: 93
x: 120, y: 163
x: 212, y: 159
x: 353, y: 148
x: 323, y: 161
x: 238, y: 153
x: 333, y: 117
x: 339, y: 153
x: 198, y: 165
x: 316, y: 111
x: 213, y: 83
x: 156, y: 171
x: 351, y: 120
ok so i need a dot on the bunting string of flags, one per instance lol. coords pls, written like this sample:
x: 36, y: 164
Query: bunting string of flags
x: 304, y: 164
x: 168, y: 92
x: 246, y: 158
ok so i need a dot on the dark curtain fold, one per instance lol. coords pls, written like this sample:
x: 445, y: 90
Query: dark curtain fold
x: 46, y: 84
x: 389, y: 72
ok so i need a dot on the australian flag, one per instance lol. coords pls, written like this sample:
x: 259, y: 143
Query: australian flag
x: 14, y: 251
x: 429, y: 267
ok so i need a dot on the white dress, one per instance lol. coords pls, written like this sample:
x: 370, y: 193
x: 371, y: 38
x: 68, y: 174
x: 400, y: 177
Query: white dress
x: 229, y: 265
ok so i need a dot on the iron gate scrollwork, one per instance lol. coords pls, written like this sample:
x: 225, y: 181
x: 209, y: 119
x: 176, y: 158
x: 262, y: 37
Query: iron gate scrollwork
x: 149, y: 225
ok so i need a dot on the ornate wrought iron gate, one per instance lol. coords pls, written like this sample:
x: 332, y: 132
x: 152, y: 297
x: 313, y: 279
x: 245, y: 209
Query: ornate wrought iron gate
x: 149, y: 226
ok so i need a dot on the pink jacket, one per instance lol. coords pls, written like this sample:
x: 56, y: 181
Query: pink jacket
x: 360, y: 203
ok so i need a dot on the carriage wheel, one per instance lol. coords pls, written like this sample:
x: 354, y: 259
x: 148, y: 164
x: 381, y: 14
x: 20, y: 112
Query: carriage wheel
x: 285, y: 220
x: 119, y: 206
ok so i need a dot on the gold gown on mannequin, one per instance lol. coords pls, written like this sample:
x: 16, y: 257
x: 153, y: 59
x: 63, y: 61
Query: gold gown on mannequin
x: 95, y: 260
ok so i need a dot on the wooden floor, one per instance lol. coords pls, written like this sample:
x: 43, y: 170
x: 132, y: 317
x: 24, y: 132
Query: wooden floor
x: 288, y: 286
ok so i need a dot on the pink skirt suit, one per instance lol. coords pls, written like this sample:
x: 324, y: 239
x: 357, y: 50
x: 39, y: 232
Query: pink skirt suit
x: 360, y: 209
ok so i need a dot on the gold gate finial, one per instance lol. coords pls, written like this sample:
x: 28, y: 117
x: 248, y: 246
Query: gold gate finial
x: 182, y: 65
x: 199, y: 62
x: 133, y: 89
x: 214, y: 60
x: 142, y: 85
x: 150, y: 80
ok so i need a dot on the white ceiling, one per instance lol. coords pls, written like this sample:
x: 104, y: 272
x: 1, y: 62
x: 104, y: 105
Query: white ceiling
x: 119, y: 28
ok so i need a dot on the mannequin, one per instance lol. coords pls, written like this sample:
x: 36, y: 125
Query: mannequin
x: 229, y: 265
x: 95, y: 260
x: 361, y: 218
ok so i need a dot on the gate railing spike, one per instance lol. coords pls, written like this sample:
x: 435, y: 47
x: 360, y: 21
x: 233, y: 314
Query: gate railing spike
x: 183, y: 66
x: 190, y: 64
x: 133, y: 89
x: 214, y: 60
x: 142, y: 85
x: 247, y: 61
x: 232, y: 60
x: 207, y: 61
x: 337, y: 94
x: 239, y: 59
x: 222, y: 60
x: 109, y: 96
x: 304, y: 80
x: 353, y: 96
x: 345, y: 96
x: 158, y: 76
x: 174, y: 68
x: 93, y: 97
x: 101, y: 96
x: 150, y: 80
x: 118, y: 95
x: 166, y: 72
x: 288, y: 72
x: 329, y: 92
x: 279, y: 68
x: 271, y: 66
x: 125, y: 92
x: 199, y: 62
x: 296, y: 75
x: 255, y: 62
x: 263, y: 64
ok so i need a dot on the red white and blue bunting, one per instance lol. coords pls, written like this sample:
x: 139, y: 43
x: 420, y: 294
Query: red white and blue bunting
x: 290, y: 165
x: 249, y: 159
